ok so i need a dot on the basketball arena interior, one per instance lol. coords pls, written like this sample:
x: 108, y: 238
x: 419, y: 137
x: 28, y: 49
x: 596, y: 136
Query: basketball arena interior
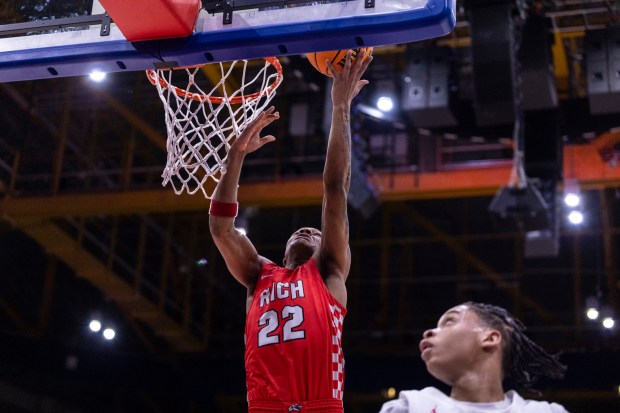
x: 88, y: 232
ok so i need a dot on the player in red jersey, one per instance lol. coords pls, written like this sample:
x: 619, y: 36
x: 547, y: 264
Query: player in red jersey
x: 293, y: 330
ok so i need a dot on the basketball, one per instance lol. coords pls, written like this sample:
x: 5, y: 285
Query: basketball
x: 337, y: 57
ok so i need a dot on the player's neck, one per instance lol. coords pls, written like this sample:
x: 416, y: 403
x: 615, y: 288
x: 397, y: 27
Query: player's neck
x: 296, y: 257
x: 295, y: 262
x: 479, y: 387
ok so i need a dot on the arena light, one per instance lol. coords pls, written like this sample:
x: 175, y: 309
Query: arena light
x: 385, y: 103
x: 592, y: 313
x: 575, y: 217
x: 97, y: 75
x: 384, y: 93
x: 608, y: 319
x: 608, y: 322
x: 592, y: 308
x: 573, y: 202
x: 109, y: 333
x: 391, y: 392
x: 572, y: 193
x: 572, y: 199
x: 95, y: 326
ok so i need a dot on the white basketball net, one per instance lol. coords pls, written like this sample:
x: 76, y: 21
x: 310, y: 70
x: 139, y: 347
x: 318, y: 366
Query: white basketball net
x: 202, y: 124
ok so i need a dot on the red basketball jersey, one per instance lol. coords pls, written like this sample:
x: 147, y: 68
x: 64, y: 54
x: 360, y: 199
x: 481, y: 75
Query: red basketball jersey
x: 293, y: 337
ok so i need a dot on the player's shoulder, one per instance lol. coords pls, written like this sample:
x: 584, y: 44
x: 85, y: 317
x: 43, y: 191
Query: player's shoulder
x: 410, y: 401
x: 263, y: 262
x: 431, y: 393
x: 534, y: 406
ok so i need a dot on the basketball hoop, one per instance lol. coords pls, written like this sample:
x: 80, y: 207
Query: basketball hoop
x: 202, y: 124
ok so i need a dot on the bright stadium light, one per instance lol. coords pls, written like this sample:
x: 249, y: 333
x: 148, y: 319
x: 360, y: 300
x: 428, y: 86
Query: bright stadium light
x: 97, y: 75
x: 572, y: 199
x: 608, y: 322
x: 575, y: 217
x: 109, y: 333
x: 592, y: 313
x: 94, y: 325
x: 385, y: 103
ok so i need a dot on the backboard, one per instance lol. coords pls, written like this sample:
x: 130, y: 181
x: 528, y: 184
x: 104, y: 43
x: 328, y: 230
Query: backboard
x: 77, y: 45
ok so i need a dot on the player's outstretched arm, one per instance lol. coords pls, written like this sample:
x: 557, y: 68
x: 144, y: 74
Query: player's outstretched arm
x: 334, y: 254
x: 239, y: 253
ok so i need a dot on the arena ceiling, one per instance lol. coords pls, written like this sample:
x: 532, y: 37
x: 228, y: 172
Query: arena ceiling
x: 88, y: 230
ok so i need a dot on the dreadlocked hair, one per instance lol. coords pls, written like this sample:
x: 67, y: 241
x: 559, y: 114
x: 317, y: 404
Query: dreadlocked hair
x: 524, y: 361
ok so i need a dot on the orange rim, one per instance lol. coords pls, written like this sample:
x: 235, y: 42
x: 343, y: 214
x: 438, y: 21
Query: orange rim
x: 199, y: 97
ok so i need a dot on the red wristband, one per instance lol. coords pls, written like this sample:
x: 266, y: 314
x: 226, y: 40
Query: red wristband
x: 223, y: 209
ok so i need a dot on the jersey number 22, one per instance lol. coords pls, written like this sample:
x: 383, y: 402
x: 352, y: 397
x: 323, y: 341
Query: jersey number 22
x: 292, y: 317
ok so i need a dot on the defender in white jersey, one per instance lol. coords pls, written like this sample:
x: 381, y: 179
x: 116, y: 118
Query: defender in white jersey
x: 431, y: 400
x: 473, y: 349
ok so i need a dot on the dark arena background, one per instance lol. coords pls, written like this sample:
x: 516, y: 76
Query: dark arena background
x: 87, y: 232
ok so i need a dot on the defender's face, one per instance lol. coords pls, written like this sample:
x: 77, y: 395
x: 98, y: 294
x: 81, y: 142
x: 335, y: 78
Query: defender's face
x: 453, y: 347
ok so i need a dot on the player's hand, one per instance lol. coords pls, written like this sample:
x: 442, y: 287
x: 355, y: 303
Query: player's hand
x: 348, y: 83
x: 250, y: 139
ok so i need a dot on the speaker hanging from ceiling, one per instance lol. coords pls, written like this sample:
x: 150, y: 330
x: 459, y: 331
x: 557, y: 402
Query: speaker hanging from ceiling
x: 602, y: 56
x: 493, y: 60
